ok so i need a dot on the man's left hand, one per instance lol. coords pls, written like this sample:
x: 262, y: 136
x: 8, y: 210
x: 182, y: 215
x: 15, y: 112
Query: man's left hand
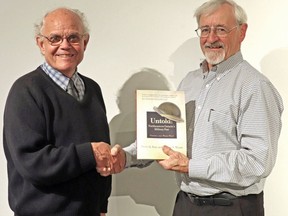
x: 176, y: 160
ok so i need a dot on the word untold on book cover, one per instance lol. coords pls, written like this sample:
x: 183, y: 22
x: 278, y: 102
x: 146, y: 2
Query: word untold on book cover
x: 161, y: 121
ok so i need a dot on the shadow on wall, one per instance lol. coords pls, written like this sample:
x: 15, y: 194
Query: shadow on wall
x: 153, y: 185
x: 273, y: 65
x: 186, y: 57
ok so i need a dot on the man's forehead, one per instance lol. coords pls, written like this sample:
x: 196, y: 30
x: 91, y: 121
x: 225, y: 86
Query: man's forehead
x: 220, y: 16
x: 62, y: 20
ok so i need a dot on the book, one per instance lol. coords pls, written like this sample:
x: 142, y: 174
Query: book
x: 160, y: 120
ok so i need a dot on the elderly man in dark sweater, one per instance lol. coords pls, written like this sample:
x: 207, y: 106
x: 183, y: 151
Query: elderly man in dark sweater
x: 55, y: 128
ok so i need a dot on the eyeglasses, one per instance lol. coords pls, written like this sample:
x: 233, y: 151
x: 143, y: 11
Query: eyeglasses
x: 220, y: 31
x: 56, y: 40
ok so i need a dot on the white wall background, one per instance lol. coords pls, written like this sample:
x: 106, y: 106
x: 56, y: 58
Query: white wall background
x: 127, y: 35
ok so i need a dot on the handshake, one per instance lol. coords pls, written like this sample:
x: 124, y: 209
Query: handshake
x: 109, y: 160
x: 113, y: 160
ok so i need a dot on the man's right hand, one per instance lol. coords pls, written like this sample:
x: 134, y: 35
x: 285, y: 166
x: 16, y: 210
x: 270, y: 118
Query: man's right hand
x: 103, y: 158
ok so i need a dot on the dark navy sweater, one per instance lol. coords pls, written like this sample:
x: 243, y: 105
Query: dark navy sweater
x: 47, y: 135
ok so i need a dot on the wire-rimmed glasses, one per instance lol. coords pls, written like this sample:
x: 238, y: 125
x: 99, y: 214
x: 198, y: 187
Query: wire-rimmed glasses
x: 220, y: 31
x: 56, y: 40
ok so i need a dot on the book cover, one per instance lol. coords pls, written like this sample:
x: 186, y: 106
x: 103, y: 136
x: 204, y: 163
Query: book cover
x: 161, y: 121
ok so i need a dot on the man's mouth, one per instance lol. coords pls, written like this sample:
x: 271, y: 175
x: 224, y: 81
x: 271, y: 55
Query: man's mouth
x: 214, y: 46
x: 65, y: 55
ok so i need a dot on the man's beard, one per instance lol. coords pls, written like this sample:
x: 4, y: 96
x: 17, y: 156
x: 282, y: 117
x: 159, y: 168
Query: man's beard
x: 215, y: 57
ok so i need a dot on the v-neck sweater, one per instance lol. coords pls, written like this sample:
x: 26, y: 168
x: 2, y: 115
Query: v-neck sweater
x: 47, y: 135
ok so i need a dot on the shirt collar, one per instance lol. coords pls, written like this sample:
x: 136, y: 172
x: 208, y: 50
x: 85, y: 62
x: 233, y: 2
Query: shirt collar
x: 58, y: 77
x: 225, y: 65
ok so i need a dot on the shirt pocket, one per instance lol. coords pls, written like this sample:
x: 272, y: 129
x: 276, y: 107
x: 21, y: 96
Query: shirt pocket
x: 221, y: 131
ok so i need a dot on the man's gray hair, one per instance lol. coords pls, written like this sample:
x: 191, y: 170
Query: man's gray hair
x: 39, y: 26
x: 212, y: 5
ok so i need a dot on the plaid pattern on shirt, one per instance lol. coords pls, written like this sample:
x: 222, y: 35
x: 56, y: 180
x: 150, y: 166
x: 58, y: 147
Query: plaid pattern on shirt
x: 62, y: 81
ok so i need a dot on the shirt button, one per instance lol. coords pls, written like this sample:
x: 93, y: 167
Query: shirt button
x: 207, y: 86
x: 199, y: 107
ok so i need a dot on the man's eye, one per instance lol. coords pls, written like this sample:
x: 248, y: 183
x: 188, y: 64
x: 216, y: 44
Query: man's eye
x: 205, y: 30
x: 221, y: 30
x: 73, y: 38
x: 55, y: 38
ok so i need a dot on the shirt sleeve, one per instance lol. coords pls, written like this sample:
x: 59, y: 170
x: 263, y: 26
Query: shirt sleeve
x: 131, y: 157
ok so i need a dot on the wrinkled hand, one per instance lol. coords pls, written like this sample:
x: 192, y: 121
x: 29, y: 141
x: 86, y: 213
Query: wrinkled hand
x: 119, y: 159
x: 104, y: 160
x: 176, y: 160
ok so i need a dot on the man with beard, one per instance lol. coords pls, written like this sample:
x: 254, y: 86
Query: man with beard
x: 233, y: 123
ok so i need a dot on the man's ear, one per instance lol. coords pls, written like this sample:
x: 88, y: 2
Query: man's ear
x: 40, y: 44
x: 243, y: 29
x: 86, y: 40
